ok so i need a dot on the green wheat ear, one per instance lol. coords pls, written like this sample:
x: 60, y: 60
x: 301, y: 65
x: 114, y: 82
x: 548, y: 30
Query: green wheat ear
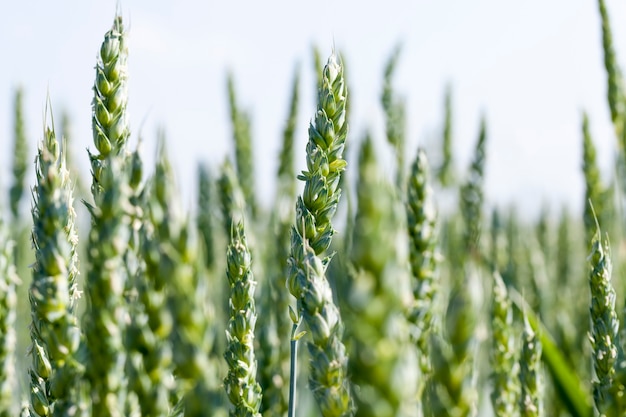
x: 608, y: 392
x: 241, y: 386
x: 312, y: 235
x: 422, y: 227
x: 54, y: 330
x: 530, y: 375
x: 107, y: 277
x: 8, y: 311
x: 504, y: 396
x: 109, y: 119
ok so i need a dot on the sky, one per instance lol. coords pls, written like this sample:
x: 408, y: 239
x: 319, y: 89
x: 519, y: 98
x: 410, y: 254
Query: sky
x: 531, y: 68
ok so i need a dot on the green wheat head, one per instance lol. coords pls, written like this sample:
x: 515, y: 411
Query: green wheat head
x: 504, y: 396
x: 8, y: 310
x: 241, y: 386
x: 55, y: 332
x: 312, y: 235
x: 422, y: 227
x: 530, y: 375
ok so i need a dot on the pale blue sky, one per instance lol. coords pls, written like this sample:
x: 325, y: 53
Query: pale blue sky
x: 531, y: 67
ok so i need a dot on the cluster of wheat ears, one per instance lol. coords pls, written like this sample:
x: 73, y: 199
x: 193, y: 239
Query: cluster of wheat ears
x: 406, y: 312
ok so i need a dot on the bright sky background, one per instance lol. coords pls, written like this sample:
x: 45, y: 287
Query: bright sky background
x: 531, y: 67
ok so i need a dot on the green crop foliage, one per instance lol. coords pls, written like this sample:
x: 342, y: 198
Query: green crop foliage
x: 408, y: 301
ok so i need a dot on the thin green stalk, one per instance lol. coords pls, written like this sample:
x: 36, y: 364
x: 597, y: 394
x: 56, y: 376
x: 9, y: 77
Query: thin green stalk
x: 275, y: 324
x: 20, y: 155
x: 53, y: 292
x: 8, y: 312
x: 293, y: 372
x: 312, y: 235
x: 293, y: 362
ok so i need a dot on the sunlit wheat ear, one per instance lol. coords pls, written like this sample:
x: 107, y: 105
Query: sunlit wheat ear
x: 53, y: 292
x: 109, y: 119
x: 310, y: 238
x: 604, y: 334
x: 107, y: 276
